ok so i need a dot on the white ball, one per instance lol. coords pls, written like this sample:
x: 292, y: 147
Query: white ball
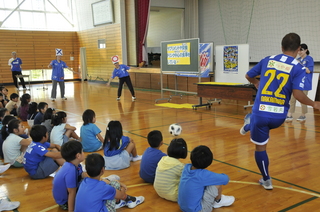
x: 175, y: 129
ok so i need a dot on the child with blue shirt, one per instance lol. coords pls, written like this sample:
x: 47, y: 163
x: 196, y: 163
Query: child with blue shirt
x: 119, y: 150
x: 42, y: 107
x: 38, y: 161
x: 151, y: 156
x: 89, y: 132
x: 121, y: 71
x: 97, y: 195
x: 199, y: 188
x: 68, y: 178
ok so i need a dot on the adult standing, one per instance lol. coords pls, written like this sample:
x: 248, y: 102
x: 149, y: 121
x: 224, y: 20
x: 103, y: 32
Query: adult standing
x: 58, y: 67
x: 306, y: 61
x: 280, y: 76
x: 15, y: 63
x: 121, y: 71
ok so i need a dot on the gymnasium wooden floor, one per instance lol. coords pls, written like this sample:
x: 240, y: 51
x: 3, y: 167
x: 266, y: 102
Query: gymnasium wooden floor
x: 293, y: 150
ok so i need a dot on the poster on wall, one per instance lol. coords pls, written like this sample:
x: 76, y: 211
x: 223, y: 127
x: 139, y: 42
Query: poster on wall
x: 178, y: 54
x: 230, y: 59
x: 205, y: 58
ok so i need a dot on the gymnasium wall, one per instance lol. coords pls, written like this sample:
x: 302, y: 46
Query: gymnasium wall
x: 261, y: 24
x: 36, y: 49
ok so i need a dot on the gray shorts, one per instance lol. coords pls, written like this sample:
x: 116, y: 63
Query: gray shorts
x: 45, y: 168
x: 65, y: 139
x: 117, y: 162
x: 210, y: 193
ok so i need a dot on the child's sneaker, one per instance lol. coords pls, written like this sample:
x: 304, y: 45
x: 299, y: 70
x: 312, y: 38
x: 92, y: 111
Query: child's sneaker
x: 118, y: 99
x: 224, y: 201
x: 138, y: 201
x: 266, y: 184
x: 136, y: 158
x: 5, y: 205
x: 121, y: 204
x: 246, y: 121
x: 64, y: 98
x: 53, y: 99
x: 64, y: 206
x: 134, y: 98
x: 113, y: 177
x: 4, y: 168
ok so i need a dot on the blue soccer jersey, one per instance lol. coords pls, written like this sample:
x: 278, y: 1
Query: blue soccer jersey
x: 57, y: 70
x: 121, y: 72
x: 308, y: 63
x: 279, y: 75
x: 15, y: 64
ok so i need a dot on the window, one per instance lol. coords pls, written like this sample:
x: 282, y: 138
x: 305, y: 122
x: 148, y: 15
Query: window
x: 37, y: 14
x: 101, y: 43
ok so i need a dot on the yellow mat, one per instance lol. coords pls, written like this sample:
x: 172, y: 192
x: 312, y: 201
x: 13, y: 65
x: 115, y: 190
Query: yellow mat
x: 173, y: 105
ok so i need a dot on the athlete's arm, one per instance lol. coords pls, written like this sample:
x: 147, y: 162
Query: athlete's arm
x: 304, y: 99
x: 254, y: 81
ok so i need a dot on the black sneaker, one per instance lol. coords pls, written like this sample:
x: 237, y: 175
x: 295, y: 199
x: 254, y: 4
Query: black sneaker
x: 64, y: 206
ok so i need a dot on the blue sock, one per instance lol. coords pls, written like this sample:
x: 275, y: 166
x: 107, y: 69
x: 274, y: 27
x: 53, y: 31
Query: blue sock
x: 247, y: 127
x: 262, y: 161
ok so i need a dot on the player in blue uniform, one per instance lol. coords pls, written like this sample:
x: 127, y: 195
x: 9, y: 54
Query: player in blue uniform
x: 15, y: 63
x: 58, y: 67
x: 121, y: 71
x: 306, y: 61
x: 280, y: 76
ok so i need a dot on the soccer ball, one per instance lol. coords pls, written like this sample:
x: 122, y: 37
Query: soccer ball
x: 175, y: 129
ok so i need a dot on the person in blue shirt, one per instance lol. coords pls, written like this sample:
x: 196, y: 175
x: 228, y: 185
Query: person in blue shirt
x: 38, y: 161
x: 58, y: 67
x: 280, y: 76
x: 97, y: 195
x: 15, y: 63
x: 121, y: 71
x: 89, y: 132
x: 42, y: 108
x: 307, y: 61
x: 199, y: 188
x: 68, y: 178
x: 151, y: 156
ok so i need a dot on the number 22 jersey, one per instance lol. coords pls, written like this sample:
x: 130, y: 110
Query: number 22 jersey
x: 279, y: 75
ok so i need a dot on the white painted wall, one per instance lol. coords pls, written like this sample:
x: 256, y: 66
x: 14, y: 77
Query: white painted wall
x: 164, y: 25
x: 261, y: 24
x: 84, y: 13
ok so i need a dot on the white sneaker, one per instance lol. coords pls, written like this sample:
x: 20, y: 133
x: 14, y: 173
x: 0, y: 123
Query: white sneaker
x: 64, y: 98
x: 138, y: 201
x: 134, y: 98
x: 301, y: 118
x: 266, y: 184
x: 53, y: 99
x: 112, y: 177
x: 5, y: 205
x: 121, y: 204
x: 224, y: 201
x: 4, y: 168
x: 118, y: 99
x: 136, y: 158
x: 289, y: 118
x: 246, y: 121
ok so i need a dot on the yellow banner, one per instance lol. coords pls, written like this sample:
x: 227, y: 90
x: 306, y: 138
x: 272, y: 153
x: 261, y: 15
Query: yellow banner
x: 178, y: 54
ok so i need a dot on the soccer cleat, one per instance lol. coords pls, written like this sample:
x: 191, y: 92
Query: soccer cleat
x: 5, y: 205
x: 289, y: 118
x: 118, y: 99
x: 224, y: 201
x: 301, y: 118
x: 138, y: 201
x: 266, y: 184
x: 121, y: 204
x: 64, y: 98
x: 4, y: 168
x: 136, y: 158
x: 246, y: 121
